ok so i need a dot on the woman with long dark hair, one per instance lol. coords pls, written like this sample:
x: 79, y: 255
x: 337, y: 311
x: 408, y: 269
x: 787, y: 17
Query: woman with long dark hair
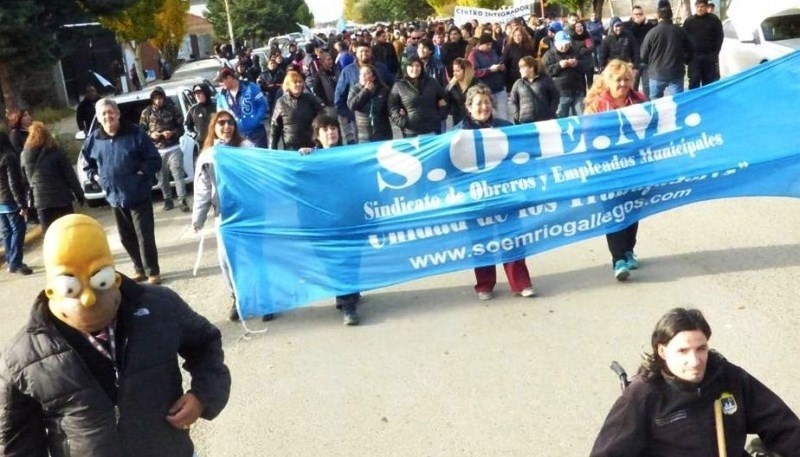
x: 417, y: 103
x: 222, y: 130
x: 13, y: 207
x: 50, y: 175
x: 328, y: 134
x: 369, y: 100
x: 463, y: 78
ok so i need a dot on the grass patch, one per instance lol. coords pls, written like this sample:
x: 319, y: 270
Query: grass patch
x: 69, y: 145
x: 50, y: 115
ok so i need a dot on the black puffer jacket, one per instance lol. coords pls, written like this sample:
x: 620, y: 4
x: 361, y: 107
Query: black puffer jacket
x: 51, y: 177
x: 372, y: 112
x: 414, y: 108
x: 51, y: 401
x: 292, y: 120
x: 569, y: 81
x: 622, y: 46
x: 533, y: 101
x: 12, y: 187
x: 457, y: 99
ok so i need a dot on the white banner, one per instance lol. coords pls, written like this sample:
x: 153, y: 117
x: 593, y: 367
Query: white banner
x: 464, y: 14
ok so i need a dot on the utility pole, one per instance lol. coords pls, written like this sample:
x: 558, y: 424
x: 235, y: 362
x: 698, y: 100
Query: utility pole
x: 230, y: 26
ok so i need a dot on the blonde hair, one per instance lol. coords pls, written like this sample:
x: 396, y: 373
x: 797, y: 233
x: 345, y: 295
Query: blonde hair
x: 615, y: 68
x: 292, y: 76
x: 469, y: 73
x: 40, y: 137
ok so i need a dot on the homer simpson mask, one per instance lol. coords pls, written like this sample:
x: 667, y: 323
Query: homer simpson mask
x: 82, y: 285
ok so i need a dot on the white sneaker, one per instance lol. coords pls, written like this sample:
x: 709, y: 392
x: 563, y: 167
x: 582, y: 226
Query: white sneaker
x: 527, y: 292
x: 485, y: 296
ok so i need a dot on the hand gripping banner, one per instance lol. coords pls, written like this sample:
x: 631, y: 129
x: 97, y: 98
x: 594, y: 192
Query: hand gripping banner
x: 354, y: 218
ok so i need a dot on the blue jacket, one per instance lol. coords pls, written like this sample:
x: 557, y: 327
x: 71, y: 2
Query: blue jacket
x: 126, y: 163
x: 249, y: 106
x: 349, y: 78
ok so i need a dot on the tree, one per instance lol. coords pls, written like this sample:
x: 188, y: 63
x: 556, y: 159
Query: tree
x: 443, y: 8
x: 257, y: 20
x: 489, y: 4
x: 352, y: 10
x: 171, y: 28
x: 395, y: 10
x: 28, y: 38
x: 304, y: 16
x: 573, y: 6
x: 135, y: 25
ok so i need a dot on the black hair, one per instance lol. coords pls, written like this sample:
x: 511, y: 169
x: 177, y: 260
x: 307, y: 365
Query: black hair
x: 326, y: 119
x: 673, y: 322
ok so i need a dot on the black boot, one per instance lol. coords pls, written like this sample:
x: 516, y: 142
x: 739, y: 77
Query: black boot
x: 233, y: 314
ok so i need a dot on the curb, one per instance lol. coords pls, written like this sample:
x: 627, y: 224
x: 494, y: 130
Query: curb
x: 31, y: 236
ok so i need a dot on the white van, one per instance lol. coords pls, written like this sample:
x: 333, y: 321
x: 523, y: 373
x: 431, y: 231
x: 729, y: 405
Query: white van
x: 758, y: 31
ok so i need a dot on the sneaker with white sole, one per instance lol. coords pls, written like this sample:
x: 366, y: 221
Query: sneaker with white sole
x: 485, y: 295
x: 632, y: 260
x: 621, y: 270
x: 527, y: 292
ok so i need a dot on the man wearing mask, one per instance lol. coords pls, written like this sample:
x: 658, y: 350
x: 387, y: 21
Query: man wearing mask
x: 95, y: 372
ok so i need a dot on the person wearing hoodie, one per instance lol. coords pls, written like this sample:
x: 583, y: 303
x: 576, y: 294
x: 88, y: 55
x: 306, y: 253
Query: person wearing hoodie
x: 197, y: 118
x: 619, y: 44
x: 669, y: 407
x: 163, y: 123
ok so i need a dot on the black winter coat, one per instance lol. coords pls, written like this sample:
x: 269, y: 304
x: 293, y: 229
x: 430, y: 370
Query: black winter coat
x: 452, y: 51
x: 533, y: 101
x: 622, y: 46
x: 12, y: 186
x: 372, y: 112
x: 665, y: 417
x: 415, y: 108
x: 666, y: 51
x: 51, y: 178
x: 568, y: 80
x: 511, y: 56
x: 53, y: 402
x: 457, y: 100
x: 292, y: 120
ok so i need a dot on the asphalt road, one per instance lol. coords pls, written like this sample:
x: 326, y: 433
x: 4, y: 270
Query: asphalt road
x: 434, y: 372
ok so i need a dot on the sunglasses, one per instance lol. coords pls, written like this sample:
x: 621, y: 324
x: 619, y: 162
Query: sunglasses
x: 224, y: 122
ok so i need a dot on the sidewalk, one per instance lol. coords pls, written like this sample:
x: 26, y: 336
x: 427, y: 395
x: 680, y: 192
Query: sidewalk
x: 32, y: 235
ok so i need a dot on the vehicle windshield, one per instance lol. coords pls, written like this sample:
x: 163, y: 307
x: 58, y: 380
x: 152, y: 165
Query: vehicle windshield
x: 131, y: 111
x: 778, y: 28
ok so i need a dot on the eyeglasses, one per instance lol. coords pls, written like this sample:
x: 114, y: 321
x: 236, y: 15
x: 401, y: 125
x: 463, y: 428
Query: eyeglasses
x: 224, y: 122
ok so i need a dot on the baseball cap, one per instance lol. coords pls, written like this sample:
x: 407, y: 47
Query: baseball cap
x: 562, y: 38
x: 224, y: 73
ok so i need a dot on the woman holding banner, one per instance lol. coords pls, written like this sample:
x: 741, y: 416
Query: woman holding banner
x: 479, y: 116
x: 223, y: 131
x: 614, y: 90
x: 327, y: 134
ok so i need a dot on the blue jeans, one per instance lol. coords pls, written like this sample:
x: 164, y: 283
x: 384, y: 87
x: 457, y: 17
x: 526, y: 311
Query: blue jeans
x: 660, y: 88
x: 13, y: 227
x: 571, y: 105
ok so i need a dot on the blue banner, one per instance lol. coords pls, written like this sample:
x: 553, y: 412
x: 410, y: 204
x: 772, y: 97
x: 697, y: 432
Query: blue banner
x: 354, y: 218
